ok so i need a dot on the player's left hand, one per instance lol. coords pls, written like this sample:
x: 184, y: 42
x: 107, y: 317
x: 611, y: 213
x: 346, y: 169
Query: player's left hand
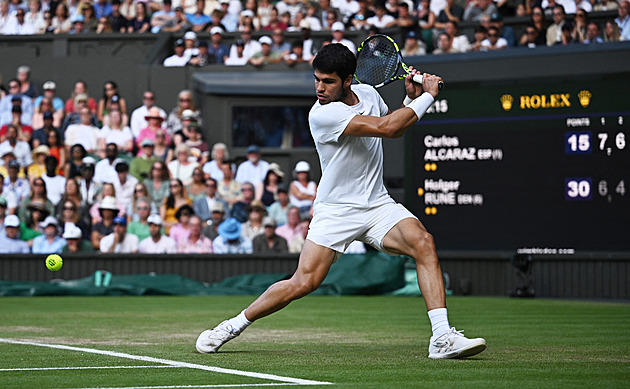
x: 412, y: 88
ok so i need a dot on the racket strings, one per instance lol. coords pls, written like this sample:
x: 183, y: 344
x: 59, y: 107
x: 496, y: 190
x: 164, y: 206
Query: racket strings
x: 377, y: 61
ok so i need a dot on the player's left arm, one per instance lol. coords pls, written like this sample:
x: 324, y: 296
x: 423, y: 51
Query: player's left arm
x: 396, y: 123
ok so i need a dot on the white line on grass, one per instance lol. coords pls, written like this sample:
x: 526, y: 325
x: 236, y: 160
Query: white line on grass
x: 215, y: 369
x: 195, y: 386
x: 87, y: 368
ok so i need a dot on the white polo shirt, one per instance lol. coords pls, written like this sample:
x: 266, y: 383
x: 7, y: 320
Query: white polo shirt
x: 352, y: 167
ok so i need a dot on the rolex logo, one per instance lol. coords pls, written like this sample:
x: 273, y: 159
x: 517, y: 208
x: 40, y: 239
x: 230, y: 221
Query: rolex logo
x: 585, y: 98
x: 506, y: 102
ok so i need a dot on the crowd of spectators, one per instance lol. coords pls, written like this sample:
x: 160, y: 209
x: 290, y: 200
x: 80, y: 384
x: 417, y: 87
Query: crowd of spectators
x: 85, y: 175
x: 426, y: 26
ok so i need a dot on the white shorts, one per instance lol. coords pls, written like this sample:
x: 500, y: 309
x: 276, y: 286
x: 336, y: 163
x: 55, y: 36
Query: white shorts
x: 335, y: 226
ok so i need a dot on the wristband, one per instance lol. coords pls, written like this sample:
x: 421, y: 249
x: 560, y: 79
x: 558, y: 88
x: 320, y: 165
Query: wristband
x: 407, y: 101
x: 421, y: 104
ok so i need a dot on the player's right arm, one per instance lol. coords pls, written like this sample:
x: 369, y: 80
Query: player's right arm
x: 396, y: 123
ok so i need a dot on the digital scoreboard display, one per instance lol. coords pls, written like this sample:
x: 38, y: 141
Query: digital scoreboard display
x: 538, y: 167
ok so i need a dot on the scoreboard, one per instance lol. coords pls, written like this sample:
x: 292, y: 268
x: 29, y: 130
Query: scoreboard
x: 536, y: 167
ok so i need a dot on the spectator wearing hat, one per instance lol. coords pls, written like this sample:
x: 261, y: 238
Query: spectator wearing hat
x: 250, y: 46
x: 30, y: 227
x: 191, y: 44
x: 254, y: 170
x: 56, y: 103
x: 279, y: 208
x: 75, y: 243
x: 88, y: 187
x: 237, y: 54
x: 269, y: 241
x: 413, y: 45
x: 265, y: 56
x: 38, y: 167
x: 302, y: 190
x: 50, y: 242
x: 139, y: 115
x: 180, y: 231
x: 43, y: 112
x: 217, y: 50
x: 338, y: 33
x: 505, y: 32
x: 107, y: 190
x: 155, y: 121
x: 195, y: 242
x: 76, y: 214
x: 78, y: 25
x: 9, y: 241
x: 253, y: 226
x: 199, y: 19
x: 177, y: 59
x: 108, y: 209
x: 185, y: 101
x: 81, y: 100
x: 124, y: 183
x: 230, y: 240
x: 230, y: 14
x: 20, y: 149
x: 38, y: 194
x: 203, y: 58
x: 119, y: 241
x: 267, y: 190
x: 217, y: 216
x: 15, y: 97
x: 188, y: 120
x: 140, y: 167
x: 157, y: 242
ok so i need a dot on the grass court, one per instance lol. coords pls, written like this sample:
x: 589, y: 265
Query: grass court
x: 350, y: 342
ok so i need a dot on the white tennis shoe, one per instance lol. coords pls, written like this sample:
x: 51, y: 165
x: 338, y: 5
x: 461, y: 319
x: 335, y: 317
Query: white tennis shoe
x: 209, y: 341
x: 454, y: 344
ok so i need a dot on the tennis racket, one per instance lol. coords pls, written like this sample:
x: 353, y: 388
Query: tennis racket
x: 378, y: 62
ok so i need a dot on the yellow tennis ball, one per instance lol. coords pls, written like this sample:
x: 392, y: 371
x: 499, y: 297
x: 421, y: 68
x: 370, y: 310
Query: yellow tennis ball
x: 54, y: 262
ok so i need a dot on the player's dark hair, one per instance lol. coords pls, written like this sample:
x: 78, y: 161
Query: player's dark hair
x: 335, y: 58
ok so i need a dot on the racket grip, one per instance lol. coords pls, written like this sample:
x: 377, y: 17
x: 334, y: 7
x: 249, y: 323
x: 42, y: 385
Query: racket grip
x: 418, y: 78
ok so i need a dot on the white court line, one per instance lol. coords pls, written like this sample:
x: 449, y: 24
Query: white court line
x: 86, y: 368
x: 194, y: 386
x: 169, y: 362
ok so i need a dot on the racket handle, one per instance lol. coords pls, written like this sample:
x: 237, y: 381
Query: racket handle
x: 418, y: 78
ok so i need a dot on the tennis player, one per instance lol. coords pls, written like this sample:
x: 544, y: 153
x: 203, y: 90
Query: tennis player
x: 348, y: 123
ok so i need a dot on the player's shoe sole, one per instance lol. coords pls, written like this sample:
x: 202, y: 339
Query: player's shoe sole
x: 454, y: 344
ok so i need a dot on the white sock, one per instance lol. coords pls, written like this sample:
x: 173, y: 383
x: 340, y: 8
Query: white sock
x: 439, y: 321
x: 239, y: 322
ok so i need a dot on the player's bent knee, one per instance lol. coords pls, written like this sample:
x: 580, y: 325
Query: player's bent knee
x: 303, y: 286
